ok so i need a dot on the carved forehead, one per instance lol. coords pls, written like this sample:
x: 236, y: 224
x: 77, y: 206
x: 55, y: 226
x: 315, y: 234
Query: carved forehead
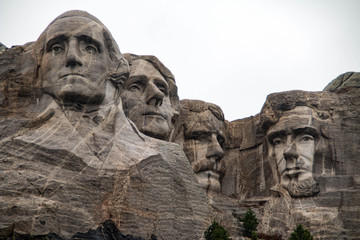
x: 74, y: 26
x: 202, y: 122
x: 301, y: 117
x: 143, y: 67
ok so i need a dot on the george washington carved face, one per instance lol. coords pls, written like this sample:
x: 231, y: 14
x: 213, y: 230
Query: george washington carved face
x: 76, y: 57
x: 74, y: 63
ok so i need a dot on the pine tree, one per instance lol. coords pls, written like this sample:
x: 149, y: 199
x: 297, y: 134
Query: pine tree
x: 250, y: 223
x: 300, y: 233
x: 216, y: 232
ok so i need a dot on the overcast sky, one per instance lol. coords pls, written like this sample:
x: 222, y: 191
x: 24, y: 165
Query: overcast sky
x: 231, y: 53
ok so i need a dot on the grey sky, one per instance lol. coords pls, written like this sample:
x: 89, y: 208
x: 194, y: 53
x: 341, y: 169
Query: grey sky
x: 231, y: 53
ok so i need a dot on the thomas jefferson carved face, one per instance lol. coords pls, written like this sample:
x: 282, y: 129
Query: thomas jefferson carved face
x: 203, y: 134
x: 146, y: 100
x: 292, y: 143
x: 75, y: 62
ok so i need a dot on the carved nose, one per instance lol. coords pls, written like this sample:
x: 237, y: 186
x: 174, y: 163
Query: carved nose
x: 214, y: 149
x: 154, y: 96
x: 72, y: 58
x: 291, y: 155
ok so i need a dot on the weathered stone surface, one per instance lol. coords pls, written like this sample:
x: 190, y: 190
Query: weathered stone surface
x: 2, y: 47
x: 201, y: 134
x: 75, y: 165
x: 70, y: 159
x: 344, y: 82
x: 329, y: 214
x: 106, y: 231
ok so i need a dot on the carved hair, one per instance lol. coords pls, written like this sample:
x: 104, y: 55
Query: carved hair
x: 187, y: 108
x: 201, y: 106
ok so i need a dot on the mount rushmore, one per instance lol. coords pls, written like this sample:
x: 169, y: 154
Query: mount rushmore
x: 91, y: 139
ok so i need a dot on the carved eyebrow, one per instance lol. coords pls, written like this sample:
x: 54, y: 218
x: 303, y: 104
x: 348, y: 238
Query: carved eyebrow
x: 90, y: 40
x: 276, y: 134
x: 307, y: 130
x: 55, y: 40
x: 141, y: 79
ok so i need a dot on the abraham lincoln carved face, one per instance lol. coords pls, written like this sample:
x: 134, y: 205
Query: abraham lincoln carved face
x: 292, y: 142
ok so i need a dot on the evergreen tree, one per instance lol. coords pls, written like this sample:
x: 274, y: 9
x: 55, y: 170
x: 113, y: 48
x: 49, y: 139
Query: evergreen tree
x: 216, y: 232
x: 300, y: 233
x: 250, y: 223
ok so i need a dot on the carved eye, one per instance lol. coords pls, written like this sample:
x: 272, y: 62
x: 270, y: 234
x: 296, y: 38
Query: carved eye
x: 56, y: 49
x: 221, y: 140
x: 134, y: 88
x: 201, y: 136
x: 277, y: 141
x: 306, y: 138
x: 163, y: 89
x: 91, y: 49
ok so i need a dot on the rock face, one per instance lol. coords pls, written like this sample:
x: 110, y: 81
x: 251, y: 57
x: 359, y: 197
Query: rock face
x: 201, y: 133
x: 150, y: 96
x: 70, y: 159
x: 323, y: 129
x: 78, y: 161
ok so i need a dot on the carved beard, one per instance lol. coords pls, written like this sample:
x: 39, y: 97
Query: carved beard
x: 304, y: 188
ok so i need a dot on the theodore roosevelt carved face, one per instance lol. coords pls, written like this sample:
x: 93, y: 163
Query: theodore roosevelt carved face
x: 202, y: 136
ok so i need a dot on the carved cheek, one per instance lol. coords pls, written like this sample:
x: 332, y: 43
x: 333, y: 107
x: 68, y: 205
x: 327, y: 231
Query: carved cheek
x: 306, y: 155
x: 278, y: 153
x: 195, y: 150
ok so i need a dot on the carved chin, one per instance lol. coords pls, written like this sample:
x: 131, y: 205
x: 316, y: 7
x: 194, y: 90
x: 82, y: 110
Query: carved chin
x: 305, y: 188
x: 209, y: 180
x: 159, y: 131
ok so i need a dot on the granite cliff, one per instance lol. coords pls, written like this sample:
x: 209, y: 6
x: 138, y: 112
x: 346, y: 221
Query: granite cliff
x: 95, y: 144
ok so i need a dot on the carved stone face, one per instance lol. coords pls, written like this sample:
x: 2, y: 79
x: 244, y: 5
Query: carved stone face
x: 74, y: 63
x: 203, y: 139
x: 292, y: 141
x: 146, y: 100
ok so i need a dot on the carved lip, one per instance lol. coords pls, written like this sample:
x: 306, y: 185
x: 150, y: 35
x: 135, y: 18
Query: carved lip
x: 210, y: 174
x: 155, y: 114
x: 72, y: 74
x: 293, y: 172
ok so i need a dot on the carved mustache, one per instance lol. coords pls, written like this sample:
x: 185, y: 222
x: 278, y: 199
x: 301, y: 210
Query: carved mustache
x: 296, y: 170
x: 206, y: 164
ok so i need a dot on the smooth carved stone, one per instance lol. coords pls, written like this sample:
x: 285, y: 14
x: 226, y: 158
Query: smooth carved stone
x: 150, y: 97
